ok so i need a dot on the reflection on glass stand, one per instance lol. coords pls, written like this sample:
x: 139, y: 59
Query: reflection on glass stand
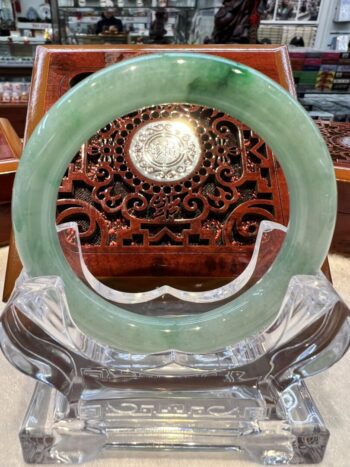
x: 250, y: 397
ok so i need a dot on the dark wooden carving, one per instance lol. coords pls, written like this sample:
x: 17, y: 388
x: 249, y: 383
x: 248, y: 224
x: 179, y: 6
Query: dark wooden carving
x: 213, y: 214
x: 337, y: 137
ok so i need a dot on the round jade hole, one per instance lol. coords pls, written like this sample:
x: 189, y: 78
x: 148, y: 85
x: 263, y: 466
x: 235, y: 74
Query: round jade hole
x: 199, y: 79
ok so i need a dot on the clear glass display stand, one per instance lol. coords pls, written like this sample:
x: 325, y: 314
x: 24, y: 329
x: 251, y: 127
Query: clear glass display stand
x: 250, y: 397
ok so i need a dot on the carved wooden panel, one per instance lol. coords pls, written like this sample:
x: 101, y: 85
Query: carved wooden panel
x: 337, y: 137
x: 215, y: 209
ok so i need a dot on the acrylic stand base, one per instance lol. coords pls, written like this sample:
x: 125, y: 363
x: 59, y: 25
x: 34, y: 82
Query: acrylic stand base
x: 269, y: 427
x: 248, y: 398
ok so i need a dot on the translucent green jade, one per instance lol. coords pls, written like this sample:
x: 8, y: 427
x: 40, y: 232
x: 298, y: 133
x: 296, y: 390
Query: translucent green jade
x: 196, y: 79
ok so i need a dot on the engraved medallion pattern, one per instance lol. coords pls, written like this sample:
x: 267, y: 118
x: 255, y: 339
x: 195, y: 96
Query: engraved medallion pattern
x: 165, y: 150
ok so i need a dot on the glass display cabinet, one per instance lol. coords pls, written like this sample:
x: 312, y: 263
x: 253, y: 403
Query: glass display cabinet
x: 77, y: 20
x: 19, y: 37
x: 16, y: 64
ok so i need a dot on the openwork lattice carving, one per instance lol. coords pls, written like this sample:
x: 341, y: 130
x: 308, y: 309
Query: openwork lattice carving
x: 217, y: 207
x: 337, y: 137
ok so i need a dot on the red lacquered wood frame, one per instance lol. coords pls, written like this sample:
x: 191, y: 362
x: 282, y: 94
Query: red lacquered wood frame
x: 10, y: 151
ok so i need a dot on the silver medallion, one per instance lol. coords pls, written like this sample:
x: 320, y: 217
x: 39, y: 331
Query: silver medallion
x: 166, y: 150
x: 344, y: 141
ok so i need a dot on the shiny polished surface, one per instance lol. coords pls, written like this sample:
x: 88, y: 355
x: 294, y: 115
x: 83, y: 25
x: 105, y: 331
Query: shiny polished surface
x: 165, y: 150
x: 241, y: 92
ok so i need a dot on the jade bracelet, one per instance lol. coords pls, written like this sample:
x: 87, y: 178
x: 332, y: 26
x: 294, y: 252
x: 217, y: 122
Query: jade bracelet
x: 241, y: 92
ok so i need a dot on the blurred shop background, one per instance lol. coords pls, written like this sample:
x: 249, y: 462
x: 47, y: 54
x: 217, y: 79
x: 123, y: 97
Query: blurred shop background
x: 317, y: 33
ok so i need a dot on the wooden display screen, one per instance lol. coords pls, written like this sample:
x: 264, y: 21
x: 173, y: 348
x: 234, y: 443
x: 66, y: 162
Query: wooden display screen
x: 202, y: 225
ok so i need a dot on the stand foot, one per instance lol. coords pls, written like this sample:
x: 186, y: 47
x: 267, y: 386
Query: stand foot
x: 270, y: 426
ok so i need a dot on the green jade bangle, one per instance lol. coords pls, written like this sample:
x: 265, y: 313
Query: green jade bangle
x: 120, y: 89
